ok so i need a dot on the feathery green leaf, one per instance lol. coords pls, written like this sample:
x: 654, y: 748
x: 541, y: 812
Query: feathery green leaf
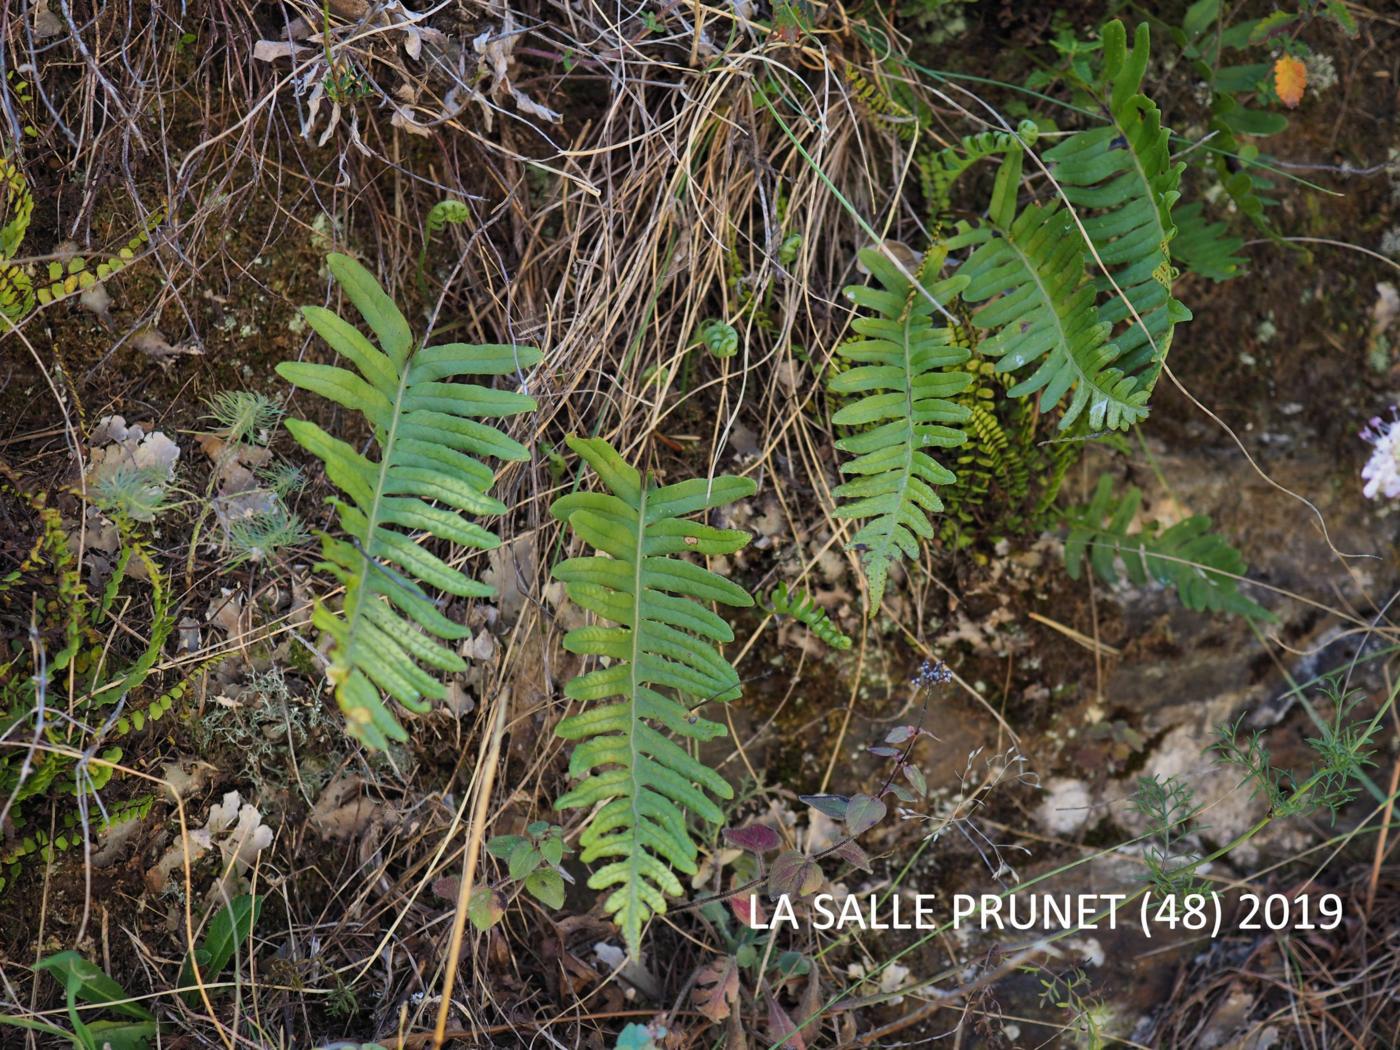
x: 663, y: 663
x: 905, y: 376
x: 425, y: 474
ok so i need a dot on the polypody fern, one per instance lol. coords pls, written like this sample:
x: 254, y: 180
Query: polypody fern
x: 1122, y: 179
x: 1198, y: 564
x: 905, y: 378
x: 1100, y: 339
x: 663, y: 664
x: 427, y: 438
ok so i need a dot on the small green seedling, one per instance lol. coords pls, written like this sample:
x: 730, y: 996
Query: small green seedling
x: 534, y: 861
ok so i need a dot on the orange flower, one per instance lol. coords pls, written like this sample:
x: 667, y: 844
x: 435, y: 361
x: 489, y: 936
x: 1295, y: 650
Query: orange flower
x: 1290, y: 78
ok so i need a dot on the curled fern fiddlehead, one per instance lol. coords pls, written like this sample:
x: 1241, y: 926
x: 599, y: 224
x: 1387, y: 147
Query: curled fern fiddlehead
x: 940, y: 169
x: 428, y: 435
x: 798, y: 604
x: 664, y: 662
x: 439, y: 215
x: 904, y: 377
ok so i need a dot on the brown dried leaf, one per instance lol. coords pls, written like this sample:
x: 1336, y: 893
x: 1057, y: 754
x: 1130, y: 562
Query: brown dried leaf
x: 781, y: 1029
x: 716, y: 987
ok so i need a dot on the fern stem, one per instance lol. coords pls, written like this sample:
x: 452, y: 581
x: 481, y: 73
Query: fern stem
x: 634, y: 663
x: 353, y: 615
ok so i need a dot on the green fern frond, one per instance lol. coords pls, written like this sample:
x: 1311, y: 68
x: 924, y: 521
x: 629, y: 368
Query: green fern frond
x: 428, y: 437
x: 75, y: 275
x: 1187, y: 557
x: 1204, y: 247
x: 1008, y: 474
x: 16, y: 291
x: 798, y: 604
x: 664, y: 662
x: 1122, y: 181
x: 1245, y: 180
x: 906, y: 374
x: 16, y: 208
x: 1046, y: 315
x: 1061, y: 455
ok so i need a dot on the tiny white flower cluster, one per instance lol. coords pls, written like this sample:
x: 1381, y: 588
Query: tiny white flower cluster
x: 1382, y: 471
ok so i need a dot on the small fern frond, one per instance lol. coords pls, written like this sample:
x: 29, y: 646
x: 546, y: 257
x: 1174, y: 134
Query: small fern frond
x: 448, y: 210
x: 880, y: 95
x: 1204, y: 247
x: 798, y: 604
x: 18, y: 207
x: 1122, y: 180
x: 428, y: 436
x: 64, y: 279
x: 906, y: 375
x: 1187, y: 557
x: 443, y: 212
x: 664, y: 663
x: 16, y: 291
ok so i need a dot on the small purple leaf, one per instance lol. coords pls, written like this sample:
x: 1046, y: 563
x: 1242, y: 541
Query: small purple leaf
x: 756, y: 838
x: 794, y: 874
x: 884, y: 752
x: 834, y: 806
x: 852, y: 855
x: 904, y: 794
x: 899, y: 734
x: 863, y: 813
x: 915, y: 776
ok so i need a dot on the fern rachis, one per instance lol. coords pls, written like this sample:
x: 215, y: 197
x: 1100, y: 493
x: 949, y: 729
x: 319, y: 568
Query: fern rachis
x: 428, y: 438
x: 663, y: 638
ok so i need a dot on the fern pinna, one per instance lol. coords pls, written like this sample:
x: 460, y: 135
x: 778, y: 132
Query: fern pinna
x: 428, y: 437
x: 663, y: 664
x: 906, y: 376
